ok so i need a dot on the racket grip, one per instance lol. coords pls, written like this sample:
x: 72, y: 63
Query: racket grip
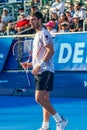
x: 26, y: 70
x: 27, y: 77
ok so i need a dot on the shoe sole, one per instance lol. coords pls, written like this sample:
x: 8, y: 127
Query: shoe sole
x: 65, y: 125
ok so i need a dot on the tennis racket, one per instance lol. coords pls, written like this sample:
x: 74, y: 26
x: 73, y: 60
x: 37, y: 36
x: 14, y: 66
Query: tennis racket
x: 22, y: 50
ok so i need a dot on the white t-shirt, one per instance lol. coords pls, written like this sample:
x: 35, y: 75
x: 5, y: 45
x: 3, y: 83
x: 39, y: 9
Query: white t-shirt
x: 53, y: 31
x: 5, y: 19
x: 58, y: 5
x: 81, y: 14
x: 42, y: 38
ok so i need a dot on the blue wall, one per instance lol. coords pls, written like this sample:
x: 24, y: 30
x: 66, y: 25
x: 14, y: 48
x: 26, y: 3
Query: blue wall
x: 70, y: 61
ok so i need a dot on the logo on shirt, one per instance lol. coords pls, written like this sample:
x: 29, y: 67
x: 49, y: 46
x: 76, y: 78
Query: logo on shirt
x: 46, y: 37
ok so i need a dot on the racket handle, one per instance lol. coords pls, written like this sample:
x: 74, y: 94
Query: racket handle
x: 26, y: 70
x: 27, y: 77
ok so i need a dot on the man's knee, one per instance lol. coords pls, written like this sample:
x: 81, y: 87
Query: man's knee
x: 38, y: 98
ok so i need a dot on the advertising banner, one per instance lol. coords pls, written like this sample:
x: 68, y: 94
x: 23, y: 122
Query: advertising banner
x: 70, y: 52
x: 70, y: 62
x: 5, y: 44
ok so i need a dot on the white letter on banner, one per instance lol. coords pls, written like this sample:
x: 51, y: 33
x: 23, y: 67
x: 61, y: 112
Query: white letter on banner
x: 1, y: 55
x: 78, y: 52
x: 86, y: 59
x: 69, y: 49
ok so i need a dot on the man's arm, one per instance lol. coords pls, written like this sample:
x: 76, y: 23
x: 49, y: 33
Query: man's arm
x: 49, y: 52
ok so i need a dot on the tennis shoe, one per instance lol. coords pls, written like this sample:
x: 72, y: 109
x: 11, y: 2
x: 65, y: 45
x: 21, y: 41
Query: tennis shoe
x: 61, y: 124
x: 44, y: 129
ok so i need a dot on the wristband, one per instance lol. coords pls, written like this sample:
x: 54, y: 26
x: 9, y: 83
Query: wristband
x: 42, y: 64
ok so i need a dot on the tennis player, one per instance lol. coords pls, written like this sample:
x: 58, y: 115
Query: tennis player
x: 43, y: 71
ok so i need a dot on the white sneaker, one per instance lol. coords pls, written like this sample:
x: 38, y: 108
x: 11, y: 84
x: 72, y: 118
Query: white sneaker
x: 44, y: 129
x: 61, y: 124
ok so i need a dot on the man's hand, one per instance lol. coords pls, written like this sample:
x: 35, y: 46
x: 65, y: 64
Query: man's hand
x: 26, y: 65
x: 36, y: 69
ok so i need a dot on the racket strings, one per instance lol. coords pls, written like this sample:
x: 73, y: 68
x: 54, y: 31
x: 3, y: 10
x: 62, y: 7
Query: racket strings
x: 23, y: 53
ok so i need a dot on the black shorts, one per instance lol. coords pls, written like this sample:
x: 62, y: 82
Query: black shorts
x: 44, y: 81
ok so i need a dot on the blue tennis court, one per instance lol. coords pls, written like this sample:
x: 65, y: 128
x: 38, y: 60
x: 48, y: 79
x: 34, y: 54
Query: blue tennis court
x: 22, y: 113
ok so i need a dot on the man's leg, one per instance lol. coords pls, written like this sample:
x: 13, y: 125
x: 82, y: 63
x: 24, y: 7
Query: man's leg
x: 47, y: 110
x: 47, y: 107
x: 46, y: 114
x: 39, y: 97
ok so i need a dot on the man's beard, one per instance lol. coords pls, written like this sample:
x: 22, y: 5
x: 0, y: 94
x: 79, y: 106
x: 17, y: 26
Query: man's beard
x: 35, y: 26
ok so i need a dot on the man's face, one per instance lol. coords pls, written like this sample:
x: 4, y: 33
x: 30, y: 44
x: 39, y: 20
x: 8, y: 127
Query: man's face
x: 78, y: 7
x: 57, y: 0
x: 35, y: 23
x: 5, y: 12
x: 76, y: 20
x: 33, y: 9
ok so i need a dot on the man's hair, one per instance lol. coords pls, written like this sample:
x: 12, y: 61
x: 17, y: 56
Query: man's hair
x: 38, y: 15
x: 79, y: 4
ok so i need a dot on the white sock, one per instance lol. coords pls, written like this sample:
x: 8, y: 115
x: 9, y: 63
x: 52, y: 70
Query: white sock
x: 45, y: 125
x: 57, y: 117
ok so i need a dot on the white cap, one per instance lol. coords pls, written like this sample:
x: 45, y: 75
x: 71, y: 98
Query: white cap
x: 75, y: 16
x: 5, y: 9
x: 22, y: 14
x: 54, y: 12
